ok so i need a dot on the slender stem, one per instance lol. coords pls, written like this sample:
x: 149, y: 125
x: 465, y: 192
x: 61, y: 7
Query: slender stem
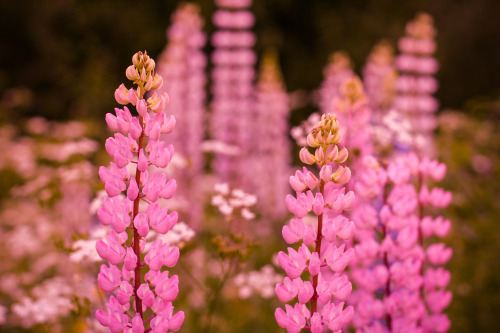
x: 217, y: 292
x: 137, y: 237
x: 314, y: 299
x: 388, y: 317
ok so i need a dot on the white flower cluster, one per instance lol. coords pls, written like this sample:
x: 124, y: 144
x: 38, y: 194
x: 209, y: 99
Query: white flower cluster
x: 261, y: 282
x: 52, y: 300
x: 227, y: 201
x: 180, y: 234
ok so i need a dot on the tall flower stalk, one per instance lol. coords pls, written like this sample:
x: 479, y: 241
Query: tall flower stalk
x: 232, y: 87
x: 326, y: 287
x: 182, y: 64
x: 400, y: 284
x: 137, y: 155
x: 272, y: 146
x: 416, y: 83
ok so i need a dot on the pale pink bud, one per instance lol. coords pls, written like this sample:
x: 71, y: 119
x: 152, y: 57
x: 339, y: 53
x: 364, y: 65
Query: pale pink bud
x: 121, y: 95
x: 141, y: 224
x: 325, y: 173
x: 310, y: 235
x: 176, y: 321
x: 157, y: 82
x: 135, y: 129
x: 133, y: 190
x: 306, y: 292
x: 438, y: 300
x: 132, y: 73
x: 346, y: 230
x: 142, y: 161
x: 311, y: 141
x: 111, y: 120
x: 311, y: 180
x: 341, y: 288
x: 316, y: 325
x: 293, y: 233
x: 137, y: 324
x: 342, y: 156
x: 168, y: 190
x: 168, y: 125
x: 142, y: 108
x: 171, y: 256
x: 109, y: 278
x: 132, y: 96
x: 438, y: 254
x: 319, y: 155
x: 124, y: 293
x: 314, y: 264
x: 167, y: 289
x: 306, y: 157
x: 279, y: 314
x: 297, y: 185
x: 146, y: 294
x: 130, y: 260
x: 342, y: 175
x: 286, y: 291
x: 319, y: 204
x: 149, y: 83
x: 292, y: 269
x: 295, y: 207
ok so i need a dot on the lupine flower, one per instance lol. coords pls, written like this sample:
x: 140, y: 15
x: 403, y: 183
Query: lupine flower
x: 137, y: 144
x: 233, y: 88
x: 182, y: 65
x: 416, y: 83
x: 399, y: 284
x: 272, y: 147
x: 325, y: 263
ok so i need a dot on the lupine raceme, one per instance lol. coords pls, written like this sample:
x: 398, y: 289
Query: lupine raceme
x: 400, y: 286
x: 315, y: 279
x: 134, y: 184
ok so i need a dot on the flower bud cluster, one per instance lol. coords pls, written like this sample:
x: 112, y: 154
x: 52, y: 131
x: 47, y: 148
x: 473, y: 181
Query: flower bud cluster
x: 136, y: 145
x: 326, y: 287
x: 416, y: 83
x: 400, y: 286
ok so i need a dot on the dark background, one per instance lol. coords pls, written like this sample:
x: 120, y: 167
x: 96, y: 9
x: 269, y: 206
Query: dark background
x: 71, y: 54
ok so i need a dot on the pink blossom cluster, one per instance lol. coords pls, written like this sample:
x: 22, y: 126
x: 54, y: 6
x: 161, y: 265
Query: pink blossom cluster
x: 325, y: 288
x: 136, y: 147
x: 416, y: 83
x: 182, y: 64
x: 232, y: 86
x: 336, y: 72
x: 272, y: 146
x: 400, y: 284
x: 48, y: 201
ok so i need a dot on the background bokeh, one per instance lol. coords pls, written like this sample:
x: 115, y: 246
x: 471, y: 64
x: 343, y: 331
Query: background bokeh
x: 63, y: 59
